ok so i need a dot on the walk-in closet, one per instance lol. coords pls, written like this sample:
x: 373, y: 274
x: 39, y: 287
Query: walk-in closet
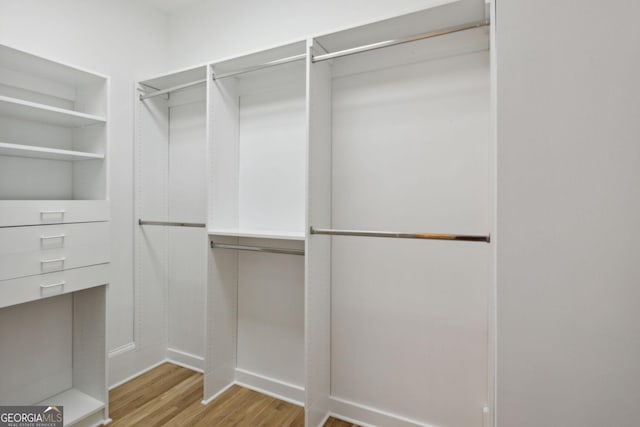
x: 319, y: 214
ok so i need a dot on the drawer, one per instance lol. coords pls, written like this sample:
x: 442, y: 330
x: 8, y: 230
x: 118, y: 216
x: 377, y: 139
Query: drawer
x: 25, y: 251
x: 33, y: 212
x: 25, y: 289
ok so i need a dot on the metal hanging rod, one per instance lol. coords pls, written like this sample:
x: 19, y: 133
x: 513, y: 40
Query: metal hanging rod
x: 380, y: 45
x: 172, y: 89
x: 172, y: 224
x: 257, y: 249
x: 426, y: 236
x: 260, y: 66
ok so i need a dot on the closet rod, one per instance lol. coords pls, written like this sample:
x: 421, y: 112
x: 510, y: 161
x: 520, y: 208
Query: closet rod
x: 172, y: 224
x: 426, y: 236
x: 257, y: 249
x: 260, y: 66
x: 380, y: 45
x: 171, y: 89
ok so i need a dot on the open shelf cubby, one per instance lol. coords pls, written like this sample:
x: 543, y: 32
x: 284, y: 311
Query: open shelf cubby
x: 51, y: 116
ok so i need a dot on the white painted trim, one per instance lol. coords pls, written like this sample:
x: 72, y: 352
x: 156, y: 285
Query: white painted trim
x: 215, y: 396
x: 326, y: 418
x: 136, y: 375
x: 122, y: 349
x: 348, y: 420
x: 271, y: 387
x: 367, y: 416
x: 186, y: 360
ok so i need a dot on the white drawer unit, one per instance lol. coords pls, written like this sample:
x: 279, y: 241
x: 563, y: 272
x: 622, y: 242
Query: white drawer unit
x: 26, y: 251
x: 25, y: 289
x: 34, y: 212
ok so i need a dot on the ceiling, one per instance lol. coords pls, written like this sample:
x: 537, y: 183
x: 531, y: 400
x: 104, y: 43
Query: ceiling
x: 170, y: 6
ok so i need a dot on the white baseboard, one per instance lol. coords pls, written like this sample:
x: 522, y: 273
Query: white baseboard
x: 136, y: 375
x: 127, y: 365
x: 271, y: 387
x: 215, y: 396
x: 326, y: 418
x: 186, y: 360
x: 367, y: 416
x: 122, y: 349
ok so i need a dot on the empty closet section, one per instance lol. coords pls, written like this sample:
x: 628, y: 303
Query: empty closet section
x: 171, y: 210
x: 54, y: 351
x: 52, y: 130
x: 257, y: 223
x: 408, y: 152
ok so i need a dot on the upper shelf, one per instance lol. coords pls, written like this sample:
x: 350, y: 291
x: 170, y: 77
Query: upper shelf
x: 26, y: 110
x: 18, y: 150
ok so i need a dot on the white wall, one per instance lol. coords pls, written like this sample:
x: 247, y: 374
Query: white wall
x: 213, y: 29
x: 568, y: 213
x: 122, y: 39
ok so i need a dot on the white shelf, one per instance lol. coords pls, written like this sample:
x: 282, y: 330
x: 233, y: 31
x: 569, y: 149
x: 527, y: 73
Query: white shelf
x: 261, y: 234
x: 33, y: 111
x: 19, y: 150
x: 77, y: 405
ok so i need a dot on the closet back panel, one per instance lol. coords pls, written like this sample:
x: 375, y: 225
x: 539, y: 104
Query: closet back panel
x: 271, y: 314
x: 272, y: 150
x: 27, y: 331
x: 258, y: 150
x: 187, y: 203
x: 409, y: 317
x: 40, y: 179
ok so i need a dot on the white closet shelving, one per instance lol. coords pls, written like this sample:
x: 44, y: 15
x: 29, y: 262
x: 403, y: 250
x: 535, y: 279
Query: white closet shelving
x: 53, y: 130
x: 171, y: 182
x: 399, y: 143
x: 257, y: 167
x: 258, y: 143
x: 384, y: 127
x: 32, y: 111
x: 19, y: 150
x: 54, y: 236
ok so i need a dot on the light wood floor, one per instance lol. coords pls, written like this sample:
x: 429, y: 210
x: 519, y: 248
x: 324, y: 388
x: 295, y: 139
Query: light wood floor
x: 170, y: 395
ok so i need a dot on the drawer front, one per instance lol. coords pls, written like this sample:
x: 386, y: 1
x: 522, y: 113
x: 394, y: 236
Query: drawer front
x: 25, y: 251
x: 34, y: 212
x: 25, y: 289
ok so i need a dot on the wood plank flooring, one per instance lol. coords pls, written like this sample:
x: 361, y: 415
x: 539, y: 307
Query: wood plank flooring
x: 170, y: 395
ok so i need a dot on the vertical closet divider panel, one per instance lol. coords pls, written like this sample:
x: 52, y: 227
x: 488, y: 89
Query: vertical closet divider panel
x: 318, y: 248
x: 257, y: 201
x: 222, y: 275
x: 171, y: 193
x: 54, y: 236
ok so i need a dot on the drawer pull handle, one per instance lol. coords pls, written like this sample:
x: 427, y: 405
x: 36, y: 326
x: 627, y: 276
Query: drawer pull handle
x: 53, y: 285
x: 60, y: 213
x: 47, y: 261
x: 57, y: 236
x: 52, y: 289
